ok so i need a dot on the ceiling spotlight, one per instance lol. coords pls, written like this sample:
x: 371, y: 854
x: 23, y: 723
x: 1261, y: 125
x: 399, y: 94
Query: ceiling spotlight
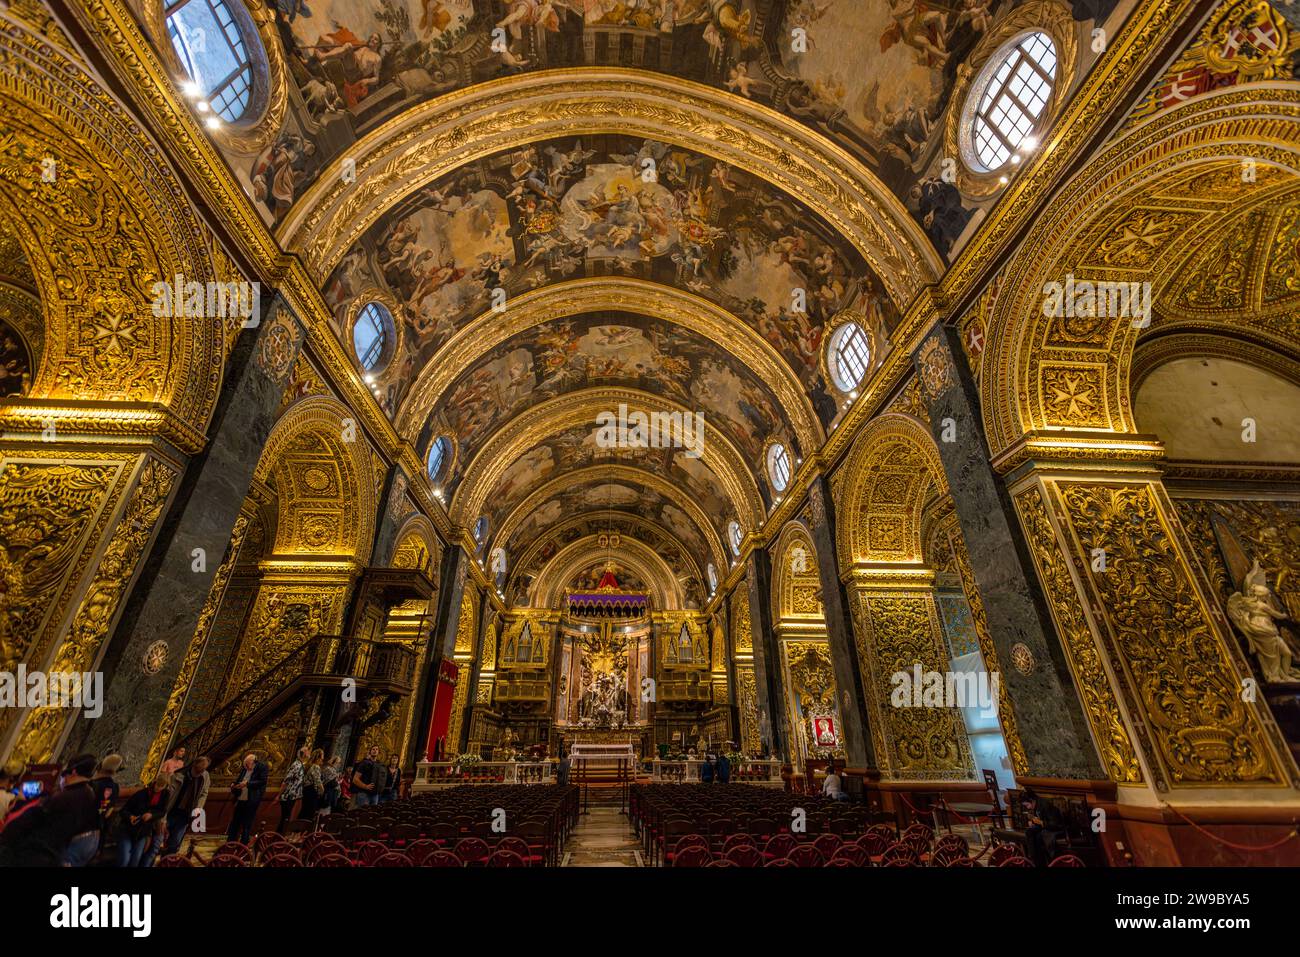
x: 202, y: 106
x: 190, y: 88
x: 1029, y: 144
x: 1015, y: 160
x: 370, y: 380
x: 212, y: 123
x: 1002, y: 180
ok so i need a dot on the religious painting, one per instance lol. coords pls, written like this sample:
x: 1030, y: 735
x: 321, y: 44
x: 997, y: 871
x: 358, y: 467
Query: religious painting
x: 612, y: 350
x: 612, y: 205
x: 825, y: 731
x: 875, y: 77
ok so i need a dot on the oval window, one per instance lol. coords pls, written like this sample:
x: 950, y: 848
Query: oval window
x: 214, y: 52
x: 1009, y: 99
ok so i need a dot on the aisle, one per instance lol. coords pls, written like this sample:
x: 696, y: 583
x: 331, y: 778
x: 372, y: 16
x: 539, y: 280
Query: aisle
x: 603, y: 837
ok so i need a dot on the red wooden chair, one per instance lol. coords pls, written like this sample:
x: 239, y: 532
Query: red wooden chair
x: 332, y: 860
x: 900, y: 853
x: 828, y: 844
x: 227, y: 860
x: 739, y: 840
x: 442, y: 859
x: 840, y: 862
x: 693, y: 855
x: 262, y: 842
x: 856, y: 856
x: 781, y: 862
x: 173, y: 860
x: 500, y: 858
x: 1002, y: 852
x: 806, y: 855
x: 1017, y: 861
x: 721, y: 862
x: 1067, y: 860
x: 962, y: 862
x: 235, y: 849
x: 392, y: 859
x: 473, y: 851
x: 684, y: 843
x: 779, y: 847
x: 745, y: 855
x: 417, y: 851
x: 276, y: 859
x: 516, y: 845
x: 366, y: 852
x: 875, y: 844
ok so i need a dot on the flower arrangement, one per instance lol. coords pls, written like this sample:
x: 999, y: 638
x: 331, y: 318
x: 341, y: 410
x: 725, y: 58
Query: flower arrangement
x: 468, y: 760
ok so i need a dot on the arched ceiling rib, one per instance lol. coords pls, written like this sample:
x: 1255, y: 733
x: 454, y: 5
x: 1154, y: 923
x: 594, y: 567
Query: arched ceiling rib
x: 594, y: 491
x: 615, y: 526
x: 650, y: 570
x: 611, y: 349
x: 438, y: 137
x: 564, y: 300
x: 563, y: 433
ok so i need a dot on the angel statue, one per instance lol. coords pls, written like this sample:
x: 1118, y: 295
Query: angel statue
x: 1256, y: 612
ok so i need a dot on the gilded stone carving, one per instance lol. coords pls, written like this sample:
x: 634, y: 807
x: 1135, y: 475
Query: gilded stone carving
x: 935, y: 365
x: 1109, y: 732
x: 894, y: 631
x: 747, y: 700
x: 47, y: 510
x: 742, y: 635
x: 39, y: 736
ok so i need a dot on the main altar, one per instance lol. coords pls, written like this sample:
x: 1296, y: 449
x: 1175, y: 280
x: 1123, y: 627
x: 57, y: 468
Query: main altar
x: 605, y: 654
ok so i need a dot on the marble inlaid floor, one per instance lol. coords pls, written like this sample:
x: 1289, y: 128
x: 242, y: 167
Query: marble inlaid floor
x: 603, y: 838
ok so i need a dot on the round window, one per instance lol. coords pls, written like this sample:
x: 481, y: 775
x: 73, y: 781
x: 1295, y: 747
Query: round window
x: 214, y: 52
x: 778, y: 466
x: 439, y: 452
x: 372, y: 335
x: 848, y: 353
x: 712, y: 574
x: 1007, y: 101
x: 734, y: 537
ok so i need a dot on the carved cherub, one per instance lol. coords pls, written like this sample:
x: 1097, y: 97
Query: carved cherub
x: 1255, y: 612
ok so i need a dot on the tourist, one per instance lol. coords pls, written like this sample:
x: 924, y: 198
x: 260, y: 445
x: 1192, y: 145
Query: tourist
x: 313, y: 786
x: 392, y: 781
x: 248, y: 791
x: 187, y: 791
x: 706, y: 770
x: 142, y: 824
x: 1046, y: 825
x: 83, y: 848
x: 833, y: 786
x: 38, y: 832
x: 291, y: 787
x: 562, y: 772
x: 364, y: 784
x: 7, y: 793
x: 722, y: 773
x: 331, y: 780
x: 174, y: 763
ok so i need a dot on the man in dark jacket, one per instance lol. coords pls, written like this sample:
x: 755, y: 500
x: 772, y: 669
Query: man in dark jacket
x: 187, y: 791
x: 722, y: 771
x: 248, y: 790
x: 41, y: 835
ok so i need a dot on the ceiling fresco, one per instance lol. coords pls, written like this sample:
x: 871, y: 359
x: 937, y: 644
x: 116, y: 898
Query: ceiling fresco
x: 611, y: 349
x: 609, y: 205
x: 577, y: 448
x: 641, y: 514
x: 875, y: 77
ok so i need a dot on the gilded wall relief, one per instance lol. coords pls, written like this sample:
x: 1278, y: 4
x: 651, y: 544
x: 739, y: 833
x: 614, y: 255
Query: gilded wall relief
x: 809, y: 678
x: 288, y: 611
x: 751, y: 741
x: 896, y: 631
x: 1110, y: 734
x: 42, y: 728
x: 1166, y: 644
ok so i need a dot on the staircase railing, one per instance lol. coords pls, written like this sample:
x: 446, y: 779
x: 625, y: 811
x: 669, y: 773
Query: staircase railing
x: 320, y: 660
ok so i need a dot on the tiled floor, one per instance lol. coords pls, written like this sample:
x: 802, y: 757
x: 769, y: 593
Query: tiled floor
x: 603, y: 837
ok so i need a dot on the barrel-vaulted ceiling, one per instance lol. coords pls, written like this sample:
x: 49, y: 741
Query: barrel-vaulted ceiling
x: 573, y: 206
